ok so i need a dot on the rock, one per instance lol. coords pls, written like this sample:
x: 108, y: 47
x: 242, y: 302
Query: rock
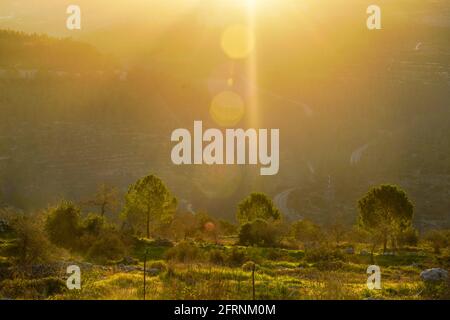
x: 153, y: 271
x: 129, y: 260
x: 434, y: 274
x: 349, y: 250
x: 364, y: 252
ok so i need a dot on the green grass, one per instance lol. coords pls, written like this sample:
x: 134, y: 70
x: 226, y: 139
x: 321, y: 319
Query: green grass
x: 280, y: 274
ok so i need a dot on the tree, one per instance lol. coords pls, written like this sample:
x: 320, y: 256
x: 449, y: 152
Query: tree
x: 306, y: 231
x: 227, y: 228
x: 336, y: 229
x: 183, y: 225
x: 63, y: 225
x: 30, y: 244
x: 106, y: 199
x: 385, y: 211
x: 148, y: 200
x: 438, y: 239
x: 257, y: 206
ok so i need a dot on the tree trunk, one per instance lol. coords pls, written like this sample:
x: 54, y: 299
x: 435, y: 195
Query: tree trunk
x: 145, y: 273
x: 148, y: 225
x: 253, y: 281
x: 372, y: 260
x: 394, y: 243
x: 103, y: 209
x: 384, y: 244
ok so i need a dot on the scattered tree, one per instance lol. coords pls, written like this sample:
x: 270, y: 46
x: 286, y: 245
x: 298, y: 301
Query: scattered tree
x: 29, y: 243
x: 106, y: 199
x: 148, y: 200
x: 385, y: 211
x: 306, y: 231
x: 257, y: 206
x: 438, y: 239
x: 63, y: 225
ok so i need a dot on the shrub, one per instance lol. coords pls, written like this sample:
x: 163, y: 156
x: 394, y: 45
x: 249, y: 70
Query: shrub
x: 258, y: 233
x: 93, y: 224
x: 227, y: 228
x: 107, y: 247
x: 63, y: 225
x: 184, y: 252
x: 32, y: 289
x: 323, y: 254
x: 438, y: 239
x: 28, y: 243
x: 236, y: 257
x: 276, y: 255
x: 306, y: 231
x: 408, y: 237
x: 329, y: 265
x: 216, y: 256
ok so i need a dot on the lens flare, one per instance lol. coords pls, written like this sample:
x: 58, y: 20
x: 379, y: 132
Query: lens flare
x: 237, y: 41
x: 227, y: 108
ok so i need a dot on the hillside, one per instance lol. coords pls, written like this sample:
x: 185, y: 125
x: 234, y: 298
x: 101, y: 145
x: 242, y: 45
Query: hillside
x: 353, y: 114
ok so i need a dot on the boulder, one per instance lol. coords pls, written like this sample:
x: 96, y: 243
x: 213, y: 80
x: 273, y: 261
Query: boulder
x: 129, y: 260
x: 364, y: 252
x: 153, y: 271
x: 434, y: 274
x: 349, y: 250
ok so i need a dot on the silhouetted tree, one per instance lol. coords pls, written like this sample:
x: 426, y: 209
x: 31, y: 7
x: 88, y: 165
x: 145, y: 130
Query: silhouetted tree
x: 63, y: 225
x: 148, y: 200
x: 106, y: 199
x: 257, y: 206
x: 385, y: 211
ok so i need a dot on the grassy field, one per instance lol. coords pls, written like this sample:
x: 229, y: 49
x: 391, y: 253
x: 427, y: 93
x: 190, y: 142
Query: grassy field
x: 206, y: 271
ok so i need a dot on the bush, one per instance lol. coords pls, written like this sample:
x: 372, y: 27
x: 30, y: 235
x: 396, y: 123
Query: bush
x: 329, y: 265
x: 258, y: 233
x: 322, y: 254
x: 107, y: 247
x: 32, y: 289
x: 28, y: 243
x: 63, y: 225
x: 408, y: 237
x: 276, y: 255
x: 93, y: 224
x: 438, y: 239
x: 216, y: 256
x: 183, y: 252
x: 306, y: 232
x: 236, y: 257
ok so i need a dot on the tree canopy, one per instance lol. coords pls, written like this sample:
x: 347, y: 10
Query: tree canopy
x: 257, y: 206
x: 385, y: 210
x: 148, y: 200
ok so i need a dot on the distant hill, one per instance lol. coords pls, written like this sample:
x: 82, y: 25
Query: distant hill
x: 354, y: 109
x: 21, y: 50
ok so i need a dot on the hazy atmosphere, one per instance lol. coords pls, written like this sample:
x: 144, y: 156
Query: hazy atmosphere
x: 87, y: 114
